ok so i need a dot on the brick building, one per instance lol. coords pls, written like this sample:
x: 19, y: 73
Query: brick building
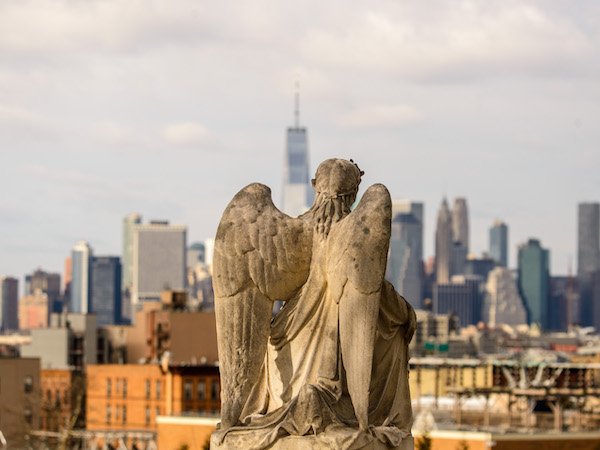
x: 19, y: 399
x: 62, y: 399
x: 131, y: 396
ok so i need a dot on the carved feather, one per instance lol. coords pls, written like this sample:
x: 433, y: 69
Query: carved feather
x: 355, y: 271
x: 261, y: 255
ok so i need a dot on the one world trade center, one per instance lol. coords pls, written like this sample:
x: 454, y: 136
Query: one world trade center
x: 298, y: 194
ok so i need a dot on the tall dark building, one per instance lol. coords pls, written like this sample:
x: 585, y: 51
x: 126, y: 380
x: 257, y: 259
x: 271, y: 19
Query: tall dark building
x: 298, y: 194
x: 458, y: 258
x: 9, y: 306
x: 479, y: 266
x: 563, y: 306
x: 106, y: 289
x: 588, y: 261
x: 443, y: 244
x: 534, y: 281
x: 499, y: 243
x: 404, y: 261
x: 462, y: 297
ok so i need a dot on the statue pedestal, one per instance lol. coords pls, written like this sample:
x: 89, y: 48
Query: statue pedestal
x: 325, y: 441
x: 310, y: 442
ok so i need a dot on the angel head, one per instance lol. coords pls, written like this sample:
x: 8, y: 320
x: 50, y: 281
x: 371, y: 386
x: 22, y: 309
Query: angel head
x: 336, y: 184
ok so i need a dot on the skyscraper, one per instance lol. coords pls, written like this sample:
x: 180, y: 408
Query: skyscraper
x: 196, y: 254
x: 67, y: 279
x: 127, y: 260
x: 564, y: 302
x: 106, y: 289
x: 588, y: 261
x: 481, y: 266
x: 461, y: 296
x: 499, y: 243
x: 48, y: 283
x: 298, y: 193
x: 534, y: 281
x: 443, y: 244
x: 34, y: 310
x: 159, y: 260
x: 129, y: 221
x: 460, y: 222
x: 81, y: 256
x: 404, y: 261
x: 9, y: 303
x: 417, y: 210
x: 503, y: 304
x: 460, y: 236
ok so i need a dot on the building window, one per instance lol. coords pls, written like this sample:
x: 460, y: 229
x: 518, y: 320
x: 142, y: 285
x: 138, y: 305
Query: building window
x: 124, y: 414
x: 148, y: 389
x: 187, y: 390
x: 108, y: 387
x: 124, y: 387
x: 201, y: 390
x: 49, y: 396
x: 108, y: 414
x: 57, y: 398
x: 214, y: 390
x: 28, y: 415
x: 158, y: 389
x: 157, y: 411
x: 28, y: 384
x: 148, y: 415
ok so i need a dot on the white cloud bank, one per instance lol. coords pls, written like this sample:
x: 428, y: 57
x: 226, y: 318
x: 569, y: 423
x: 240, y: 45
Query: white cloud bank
x: 380, y: 116
x: 186, y: 133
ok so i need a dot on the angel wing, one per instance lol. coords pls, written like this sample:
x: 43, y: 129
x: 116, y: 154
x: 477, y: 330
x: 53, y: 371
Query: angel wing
x: 261, y: 255
x: 357, y: 256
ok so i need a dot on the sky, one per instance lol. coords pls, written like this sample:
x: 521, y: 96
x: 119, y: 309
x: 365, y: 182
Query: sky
x: 169, y: 107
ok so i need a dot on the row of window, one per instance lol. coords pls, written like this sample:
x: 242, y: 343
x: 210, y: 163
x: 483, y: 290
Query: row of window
x: 120, y: 387
x: 201, y: 393
x: 120, y: 414
x: 57, y: 397
x: 157, y: 388
x: 27, y: 384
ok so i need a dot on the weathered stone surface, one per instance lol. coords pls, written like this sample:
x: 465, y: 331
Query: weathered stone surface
x: 331, y: 369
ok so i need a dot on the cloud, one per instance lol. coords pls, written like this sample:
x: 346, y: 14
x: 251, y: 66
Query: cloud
x: 185, y: 134
x: 461, y: 40
x: 380, y: 116
x: 72, y: 178
x: 19, y: 123
x: 36, y: 28
x: 120, y: 135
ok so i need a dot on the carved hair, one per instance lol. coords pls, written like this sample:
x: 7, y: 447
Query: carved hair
x: 336, y: 185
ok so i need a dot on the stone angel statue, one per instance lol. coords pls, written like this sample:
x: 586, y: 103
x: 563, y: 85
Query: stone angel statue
x: 330, y: 369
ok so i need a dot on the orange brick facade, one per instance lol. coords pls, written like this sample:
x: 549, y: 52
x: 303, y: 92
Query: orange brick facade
x: 131, y: 396
x: 57, y: 395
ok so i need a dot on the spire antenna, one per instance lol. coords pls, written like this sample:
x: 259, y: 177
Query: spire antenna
x: 297, y: 105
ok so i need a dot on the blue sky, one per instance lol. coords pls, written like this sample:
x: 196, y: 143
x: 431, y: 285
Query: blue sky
x: 169, y: 107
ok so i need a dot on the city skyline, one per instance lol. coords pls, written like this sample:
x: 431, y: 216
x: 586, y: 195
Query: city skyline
x: 171, y: 110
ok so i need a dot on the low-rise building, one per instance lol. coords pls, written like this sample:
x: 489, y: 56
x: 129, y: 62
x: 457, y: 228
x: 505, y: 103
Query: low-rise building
x: 19, y: 399
x: 62, y: 399
x: 70, y: 341
x: 132, y: 396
